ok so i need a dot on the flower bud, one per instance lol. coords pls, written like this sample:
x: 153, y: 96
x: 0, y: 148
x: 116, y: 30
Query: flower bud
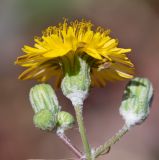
x: 136, y: 101
x: 65, y: 120
x: 42, y: 96
x: 45, y: 120
x: 76, y: 82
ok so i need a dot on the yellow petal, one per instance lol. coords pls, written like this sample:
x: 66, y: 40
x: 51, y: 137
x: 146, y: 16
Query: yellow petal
x: 56, y: 53
x: 92, y: 52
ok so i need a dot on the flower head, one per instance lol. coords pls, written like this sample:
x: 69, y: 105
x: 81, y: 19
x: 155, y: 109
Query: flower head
x: 58, y: 46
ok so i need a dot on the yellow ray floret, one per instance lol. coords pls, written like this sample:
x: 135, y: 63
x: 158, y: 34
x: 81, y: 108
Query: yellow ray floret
x: 44, y: 60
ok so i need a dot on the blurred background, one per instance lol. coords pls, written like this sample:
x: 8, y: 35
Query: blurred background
x: 135, y: 23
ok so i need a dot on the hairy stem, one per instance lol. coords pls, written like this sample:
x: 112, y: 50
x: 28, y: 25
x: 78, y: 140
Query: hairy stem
x: 78, y: 111
x: 106, y: 146
x: 67, y: 141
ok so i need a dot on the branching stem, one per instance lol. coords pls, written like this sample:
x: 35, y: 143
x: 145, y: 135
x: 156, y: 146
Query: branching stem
x: 107, y: 145
x: 72, y: 147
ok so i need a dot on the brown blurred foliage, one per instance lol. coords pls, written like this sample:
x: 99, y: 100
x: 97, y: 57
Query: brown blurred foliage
x: 135, y: 23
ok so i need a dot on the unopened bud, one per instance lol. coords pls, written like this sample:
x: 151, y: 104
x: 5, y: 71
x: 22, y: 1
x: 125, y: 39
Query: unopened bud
x: 136, y: 101
x: 42, y: 96
x: 45, y: 120
x: 65, y: 120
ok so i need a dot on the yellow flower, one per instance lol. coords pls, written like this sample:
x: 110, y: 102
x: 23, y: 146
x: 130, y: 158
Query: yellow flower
x: 47, y: 57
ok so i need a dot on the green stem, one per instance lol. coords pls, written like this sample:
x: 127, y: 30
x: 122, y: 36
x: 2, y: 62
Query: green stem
x: 78, y: 111
x: 106, y: 146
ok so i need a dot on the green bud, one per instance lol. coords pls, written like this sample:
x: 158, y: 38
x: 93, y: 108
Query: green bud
x: 45, y: 120
x: 76, y: 82
x: 136, y: 101
x: 65, y: 120
x: 42, y: 96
